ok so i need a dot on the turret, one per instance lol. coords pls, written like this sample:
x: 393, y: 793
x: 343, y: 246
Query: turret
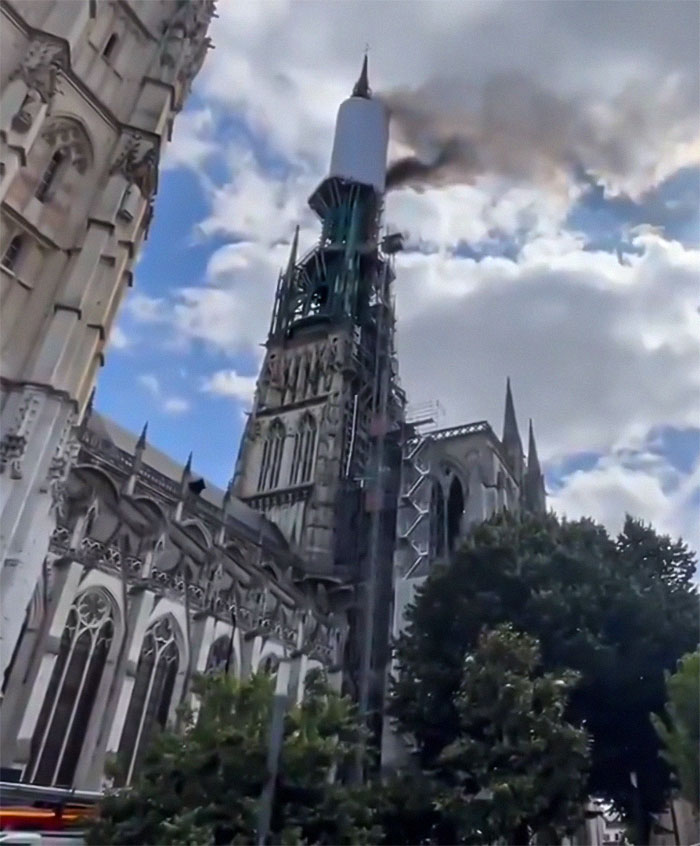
x: 535, y: 494
x: 136, y: 461
x: 511, y: 437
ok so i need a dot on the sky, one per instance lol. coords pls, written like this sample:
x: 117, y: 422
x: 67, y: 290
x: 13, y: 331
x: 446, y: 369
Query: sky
x: 565, y: 256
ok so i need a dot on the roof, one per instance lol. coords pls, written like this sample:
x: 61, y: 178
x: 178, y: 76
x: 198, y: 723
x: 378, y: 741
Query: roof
x: 109, y: 430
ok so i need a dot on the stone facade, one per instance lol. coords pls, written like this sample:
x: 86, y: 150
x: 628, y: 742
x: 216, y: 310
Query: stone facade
x: 153, y: 575
x: 88, y: 94
x: 451, y: 480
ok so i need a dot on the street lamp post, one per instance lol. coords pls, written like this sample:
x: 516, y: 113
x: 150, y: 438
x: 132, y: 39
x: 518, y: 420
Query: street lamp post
x: 274, y: 747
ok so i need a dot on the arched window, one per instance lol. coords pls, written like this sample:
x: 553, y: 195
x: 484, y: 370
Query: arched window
x: 221, y: 656
x: 437, y: 520
x: 11, y: 254
x: 151, y: 696
x: 455, y: 509
x: 304, y: 451
x: 269, y: 664
x: 60, y: 731
x: 110, y: 45
x: 273, y: 448
x: 49, y: 177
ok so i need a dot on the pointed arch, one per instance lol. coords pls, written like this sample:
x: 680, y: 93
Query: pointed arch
x: 222, y: 656
x: 85, y: 645
x: 273, y: 450
x: 304, y: 451
x: 455, y: 510
x: 151, y: 696
x: 437, y: 520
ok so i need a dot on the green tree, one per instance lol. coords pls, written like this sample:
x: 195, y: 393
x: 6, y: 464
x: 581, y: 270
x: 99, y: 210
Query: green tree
x: 202, y: 786
x: 679, y: 728
x: 518, y: 767
x: 619, y: 612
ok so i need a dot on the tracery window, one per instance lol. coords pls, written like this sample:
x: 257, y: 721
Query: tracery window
x: 273, y: 449
x: 437, y: 520
x: 455, y: 510
x: 11, y: 254
x: 151, y: 696
x: 70, y: 697
x: 303, y: 452
x: 49, y: 176
x: 221, y: 655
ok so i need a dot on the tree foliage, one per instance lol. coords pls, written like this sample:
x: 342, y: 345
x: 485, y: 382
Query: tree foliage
x: 202, y: 786
x: 517, y: 767
x: 619, y: 612
x: 679, y: 729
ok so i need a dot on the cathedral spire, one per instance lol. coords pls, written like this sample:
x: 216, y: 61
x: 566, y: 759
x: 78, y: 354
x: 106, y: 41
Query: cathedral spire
x: 535, y: 494
x: 533, y: 462
x: 512, y: 444
x: 511, y: 434
x: 362, y: 88
x: 141, y: 443
x: 292, y: 254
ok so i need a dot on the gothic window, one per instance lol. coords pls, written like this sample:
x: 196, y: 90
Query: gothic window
x: 151, y: 696
x: 269, y: 665
x: 455, y: 509
x: 221, y: 656
x: 49, y: 177
x: 437, y: 520
x: 11, y: 254
x: 69, y: 147
x: 304, y: 450
x: 273, y: 449
x: 70, y: 698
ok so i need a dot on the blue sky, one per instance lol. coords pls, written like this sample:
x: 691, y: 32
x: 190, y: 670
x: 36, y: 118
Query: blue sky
x: 579, y: 283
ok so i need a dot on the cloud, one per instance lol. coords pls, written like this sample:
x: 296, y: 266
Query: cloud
x: 169, y: 404
x: 229, y: 383
x: 194, y: 140
x: 559, y: 282
x: 176, y: 405
x: 118, y: 339
x: 150, y: 382
x: 640, y: 483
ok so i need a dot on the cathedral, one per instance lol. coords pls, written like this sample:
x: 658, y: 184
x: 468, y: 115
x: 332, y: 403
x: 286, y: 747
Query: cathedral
x: 124, y: 573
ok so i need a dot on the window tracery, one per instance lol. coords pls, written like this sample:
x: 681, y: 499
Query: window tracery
x: 437, y: 520
x: 271, y: 463
x: 151, y: 695
x: 303, y: 451
x: 70, y: 697
x: 221, y: 655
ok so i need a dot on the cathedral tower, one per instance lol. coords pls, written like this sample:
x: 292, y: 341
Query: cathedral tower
x: 88, y: 95
x: 320, y: 446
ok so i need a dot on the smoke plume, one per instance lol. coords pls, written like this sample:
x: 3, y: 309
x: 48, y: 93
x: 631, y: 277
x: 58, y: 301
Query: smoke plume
x: 512, y: 127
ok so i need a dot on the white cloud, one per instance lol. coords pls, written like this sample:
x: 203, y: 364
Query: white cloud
x: 643, y: 485
x: 169, y: 404
x: 176, y: 405
x: 194, y: 140
x: 118, y: 339
x: 150, y: 382
x: 600, y: 353
x: 229, y: 383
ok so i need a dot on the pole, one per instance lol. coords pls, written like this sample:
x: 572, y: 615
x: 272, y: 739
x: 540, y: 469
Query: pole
x: 274, y: 747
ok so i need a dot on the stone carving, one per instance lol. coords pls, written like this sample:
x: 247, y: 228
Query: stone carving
x: 138, y: 164
x: 39, y: 70
x: 68, y: 135
x: 185, y: 42
x: 15, y: 438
